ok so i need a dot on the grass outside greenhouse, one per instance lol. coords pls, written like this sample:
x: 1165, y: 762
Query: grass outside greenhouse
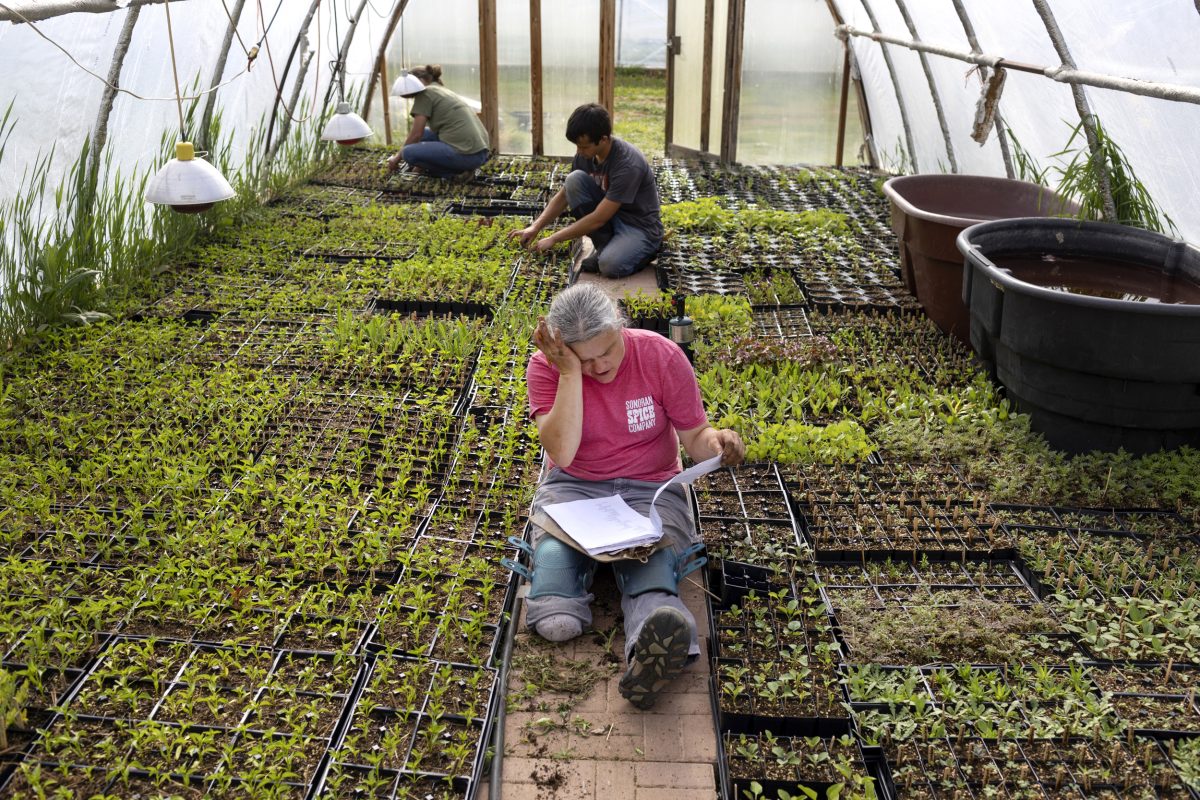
x: 252, y: 525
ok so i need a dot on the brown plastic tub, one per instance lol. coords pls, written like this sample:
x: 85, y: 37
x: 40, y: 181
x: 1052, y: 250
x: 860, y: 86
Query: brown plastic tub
x: 928, y: 213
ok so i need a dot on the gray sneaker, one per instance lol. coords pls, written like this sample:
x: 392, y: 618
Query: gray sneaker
x: 591, y: 263
x: 659, y: 655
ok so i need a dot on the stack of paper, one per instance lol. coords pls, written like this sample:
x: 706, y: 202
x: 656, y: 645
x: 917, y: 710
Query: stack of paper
x: 608, y: 524
x: 604, y: 525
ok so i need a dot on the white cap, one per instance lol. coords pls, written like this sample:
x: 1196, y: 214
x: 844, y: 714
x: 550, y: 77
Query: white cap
x: 407, y: 84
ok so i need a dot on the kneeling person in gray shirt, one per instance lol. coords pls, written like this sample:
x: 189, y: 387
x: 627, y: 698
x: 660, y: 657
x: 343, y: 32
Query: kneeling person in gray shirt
x: 612, y: 194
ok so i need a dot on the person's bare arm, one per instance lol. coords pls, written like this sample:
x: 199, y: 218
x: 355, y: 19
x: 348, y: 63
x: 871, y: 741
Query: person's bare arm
x: 704, y: 442
x: 561, y: 429
x: 582, y: 226
x: 556, y: 206
x: 417, y: 131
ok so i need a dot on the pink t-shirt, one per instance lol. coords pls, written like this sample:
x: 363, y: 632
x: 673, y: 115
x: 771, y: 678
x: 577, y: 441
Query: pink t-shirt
x: 629, y: 424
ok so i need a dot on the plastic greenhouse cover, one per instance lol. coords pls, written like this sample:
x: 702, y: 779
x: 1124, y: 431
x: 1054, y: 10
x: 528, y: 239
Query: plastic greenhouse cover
x: 55, y: 102
x: 571, y: 65
x: 1151, y: 40
x: 515, y: 91
x: 789, y: 97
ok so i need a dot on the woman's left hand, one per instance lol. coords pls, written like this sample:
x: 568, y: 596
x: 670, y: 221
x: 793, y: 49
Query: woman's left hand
x: 730, y: 445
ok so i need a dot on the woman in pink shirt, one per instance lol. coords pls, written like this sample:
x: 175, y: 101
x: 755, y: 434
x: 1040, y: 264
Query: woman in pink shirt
x: 612, y: 405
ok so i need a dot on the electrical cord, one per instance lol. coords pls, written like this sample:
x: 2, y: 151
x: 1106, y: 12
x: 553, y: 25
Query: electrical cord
x: 267, y: 29
x: 252, y: 52
x: 104, y: 80
x: 174, y: 68
x: 271, y: 61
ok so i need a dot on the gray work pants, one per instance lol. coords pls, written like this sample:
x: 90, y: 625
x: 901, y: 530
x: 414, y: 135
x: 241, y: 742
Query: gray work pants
x: 570, y: 595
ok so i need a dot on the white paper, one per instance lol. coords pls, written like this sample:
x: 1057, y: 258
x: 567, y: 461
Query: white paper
x: 608, y: 524
x: 603, y: 524
x: 687, y: 476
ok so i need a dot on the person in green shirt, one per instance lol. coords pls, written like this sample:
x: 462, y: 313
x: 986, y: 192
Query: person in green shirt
x: 446, y: 137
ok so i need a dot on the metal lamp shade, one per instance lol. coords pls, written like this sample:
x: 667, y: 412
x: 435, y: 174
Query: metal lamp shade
x: 345, y: 127
x: 407, y: 84
x: 188, y: 184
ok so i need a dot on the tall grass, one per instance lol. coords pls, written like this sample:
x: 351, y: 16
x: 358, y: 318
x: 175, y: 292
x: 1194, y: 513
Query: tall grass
x: 1081, y: 179
x: 100, y: 242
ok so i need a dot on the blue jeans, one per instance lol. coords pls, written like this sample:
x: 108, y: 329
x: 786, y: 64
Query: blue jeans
x: 440, y: 160
x: 623, y: 248
x: 562, y: 587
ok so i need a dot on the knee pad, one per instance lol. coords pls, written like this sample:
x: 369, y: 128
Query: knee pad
x: 661, y: 572
x: 559, y: 570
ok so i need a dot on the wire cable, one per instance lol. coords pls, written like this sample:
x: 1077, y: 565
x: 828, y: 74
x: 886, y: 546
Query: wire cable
x: 174, y: 68
x: 271, y: 62
x: 104, y: 80
x: 267, y: 29
x: 236, y: 33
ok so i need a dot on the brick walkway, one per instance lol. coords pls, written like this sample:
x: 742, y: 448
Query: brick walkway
x: 595, y: 744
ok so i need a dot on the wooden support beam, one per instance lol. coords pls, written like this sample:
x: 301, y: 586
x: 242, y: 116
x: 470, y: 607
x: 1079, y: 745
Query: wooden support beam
x: 536, y: 122
x: 489, y: 79
x: 100, y: 134
x: 397, y: 13
x: 343, y: 49
x: 289, y: 112
x: 210, y: 102
x: 385, y: 99
x: 706, y: 77
x: 608, y: 54
x: 842, y: 103
x: 733, y: 80
x: 859, y: 94
x: 271, y: 144
x: 669, y: 126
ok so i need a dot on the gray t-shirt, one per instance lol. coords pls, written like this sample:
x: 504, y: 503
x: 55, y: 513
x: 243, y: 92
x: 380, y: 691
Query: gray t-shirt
x: 626, y: 178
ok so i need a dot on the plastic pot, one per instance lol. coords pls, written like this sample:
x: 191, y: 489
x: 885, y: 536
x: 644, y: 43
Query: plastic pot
x: 928, y: 214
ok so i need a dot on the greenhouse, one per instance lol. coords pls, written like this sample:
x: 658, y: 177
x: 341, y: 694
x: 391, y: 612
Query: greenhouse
x: 345, y: 344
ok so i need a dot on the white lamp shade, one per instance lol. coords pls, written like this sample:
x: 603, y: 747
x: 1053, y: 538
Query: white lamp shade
x: 346, y: 127
x: 407, y: 84
x: 187, y: 183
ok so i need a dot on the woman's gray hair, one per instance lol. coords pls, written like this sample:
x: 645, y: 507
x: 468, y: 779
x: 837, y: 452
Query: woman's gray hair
x: 582, y: 312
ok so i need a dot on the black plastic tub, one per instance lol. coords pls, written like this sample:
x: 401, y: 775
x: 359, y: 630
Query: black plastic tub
x: 1093, y: 372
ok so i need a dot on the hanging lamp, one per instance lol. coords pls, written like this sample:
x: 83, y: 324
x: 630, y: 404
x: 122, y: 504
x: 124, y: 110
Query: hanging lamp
x: 186, y: 183
x: 407, y: 84
x: 345, y: 127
